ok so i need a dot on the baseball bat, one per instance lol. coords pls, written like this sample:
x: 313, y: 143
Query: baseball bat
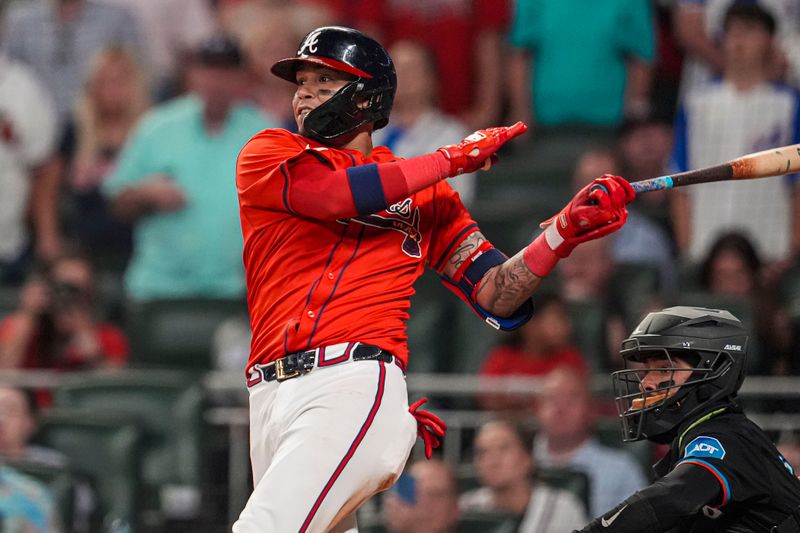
x: 773, y: 162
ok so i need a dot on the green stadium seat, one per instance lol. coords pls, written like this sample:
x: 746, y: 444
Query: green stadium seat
x: 589, y: 331
x: 473, y: 522
x: 634, y: 285
x: 168, y: 408
x: 106, y: 449
x: 178, y: 333
x: 474, y: 341
x: 9, y: 300
x: 429, y: 327
x: 790, y: 292
x: 689, y: 276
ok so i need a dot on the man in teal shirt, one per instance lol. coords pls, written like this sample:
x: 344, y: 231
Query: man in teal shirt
x: 175, y: 179
x: 581, y: 61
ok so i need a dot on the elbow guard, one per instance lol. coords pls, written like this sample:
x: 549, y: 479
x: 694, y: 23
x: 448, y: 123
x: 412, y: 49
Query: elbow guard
x: 466, y: 282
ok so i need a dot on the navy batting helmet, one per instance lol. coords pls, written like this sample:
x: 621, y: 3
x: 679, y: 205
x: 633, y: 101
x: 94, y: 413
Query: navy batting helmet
x: 711, y: 342
x: 367, y: 99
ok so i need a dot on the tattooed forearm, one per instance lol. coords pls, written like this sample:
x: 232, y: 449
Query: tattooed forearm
x: 505, y: 287
x: 463, y: 252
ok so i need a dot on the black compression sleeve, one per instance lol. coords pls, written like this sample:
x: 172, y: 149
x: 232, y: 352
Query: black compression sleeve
x: 663, y: 505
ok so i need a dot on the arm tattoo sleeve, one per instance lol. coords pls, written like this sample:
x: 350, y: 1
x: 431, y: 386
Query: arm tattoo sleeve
x: 505, y: 287
x: 464, y: 250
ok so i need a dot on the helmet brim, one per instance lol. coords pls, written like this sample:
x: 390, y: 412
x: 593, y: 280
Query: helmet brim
x: 287, y: 68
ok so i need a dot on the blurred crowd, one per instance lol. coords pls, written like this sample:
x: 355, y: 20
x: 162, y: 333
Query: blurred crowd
x: 121, y: 120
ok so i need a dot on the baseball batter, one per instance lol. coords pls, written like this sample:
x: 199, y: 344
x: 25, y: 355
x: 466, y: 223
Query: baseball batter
x: 336, y: 231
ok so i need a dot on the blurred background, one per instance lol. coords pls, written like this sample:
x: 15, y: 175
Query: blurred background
x: 123, y: 322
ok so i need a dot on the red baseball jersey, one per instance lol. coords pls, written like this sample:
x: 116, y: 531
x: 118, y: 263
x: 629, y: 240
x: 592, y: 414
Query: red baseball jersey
x: 315, y: 282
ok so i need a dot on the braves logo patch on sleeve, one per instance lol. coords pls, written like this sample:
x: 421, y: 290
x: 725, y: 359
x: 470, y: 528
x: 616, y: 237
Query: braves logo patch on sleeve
x: 705, y: 447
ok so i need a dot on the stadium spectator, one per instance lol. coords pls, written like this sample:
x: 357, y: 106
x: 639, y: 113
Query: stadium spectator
x: 733, y: 269
x: 739, y: 114
x: 26, y: 505
x: 418, y: 126
x: 170, y: 30
x: 18, y: 423
x: 55, y: 327
x: 640, y: 240
x: 699, y: 28
x: 29, y: 172
x: 544, y: 343
x: 566, y: 416
x: 598, y: 311
x: 467, y: 41
x: 59, y: 38
x: 265, y: 36
x: 19, y: 420
x: 240, y: 18
x: 112, y: 101
x: 430, y: 507
x: 173, y: 178
x: 563, y: 48
x: 645, y: 146
x: 505, y: 469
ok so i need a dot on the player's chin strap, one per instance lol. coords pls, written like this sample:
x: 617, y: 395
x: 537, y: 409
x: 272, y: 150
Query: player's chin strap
x: 790, y: 525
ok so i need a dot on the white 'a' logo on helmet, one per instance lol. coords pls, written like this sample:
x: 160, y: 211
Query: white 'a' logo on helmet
x: 310, y: 44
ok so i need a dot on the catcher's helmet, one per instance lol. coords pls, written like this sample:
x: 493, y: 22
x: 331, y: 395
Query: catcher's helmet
x: 367, y: 99
x: 711, y: 341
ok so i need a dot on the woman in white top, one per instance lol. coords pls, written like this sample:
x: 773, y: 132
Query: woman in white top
x: 505, y: 470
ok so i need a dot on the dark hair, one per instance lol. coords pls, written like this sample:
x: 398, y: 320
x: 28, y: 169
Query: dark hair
x: 730, y: 242
x: 524, y: 435
x: 750, y: 11
x: 543, y: 300
x: 654, y: 118
x: 219, y: 50
x: 31, y: 402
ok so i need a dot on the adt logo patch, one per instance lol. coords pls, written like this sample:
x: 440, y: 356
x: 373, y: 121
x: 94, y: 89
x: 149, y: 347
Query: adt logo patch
x: 705, y: 447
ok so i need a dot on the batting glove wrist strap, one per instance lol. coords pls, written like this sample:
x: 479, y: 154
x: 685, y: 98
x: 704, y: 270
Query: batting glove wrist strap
x: 430, y: 428
x: 540, y: 256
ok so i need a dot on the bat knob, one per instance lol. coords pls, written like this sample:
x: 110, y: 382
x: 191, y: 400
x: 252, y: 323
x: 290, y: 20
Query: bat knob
x: 596, y: 187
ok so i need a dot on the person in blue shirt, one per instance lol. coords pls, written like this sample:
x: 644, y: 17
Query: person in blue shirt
x: 175, y: 181
x: 26, y: 506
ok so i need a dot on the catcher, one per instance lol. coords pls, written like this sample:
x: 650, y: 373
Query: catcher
x: 684, y: 366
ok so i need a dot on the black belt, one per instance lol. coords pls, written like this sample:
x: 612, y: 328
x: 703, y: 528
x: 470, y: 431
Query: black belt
x: 299, y: 363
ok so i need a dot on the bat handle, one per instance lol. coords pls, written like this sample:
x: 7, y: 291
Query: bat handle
x: 655, y: 184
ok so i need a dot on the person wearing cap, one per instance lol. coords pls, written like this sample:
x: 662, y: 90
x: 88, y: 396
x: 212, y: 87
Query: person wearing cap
x: 174, y: 180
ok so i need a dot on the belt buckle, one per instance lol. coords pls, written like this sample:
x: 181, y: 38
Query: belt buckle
x: 281, y: 374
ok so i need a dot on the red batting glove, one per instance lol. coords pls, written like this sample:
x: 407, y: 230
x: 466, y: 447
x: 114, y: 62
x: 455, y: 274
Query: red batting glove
x: 597, y: 210
x: 477, y: 151
x: 430, y: 427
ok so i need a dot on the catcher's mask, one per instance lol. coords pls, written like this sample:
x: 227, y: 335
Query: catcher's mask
x: 712, y: 346
x: 366, y: 99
